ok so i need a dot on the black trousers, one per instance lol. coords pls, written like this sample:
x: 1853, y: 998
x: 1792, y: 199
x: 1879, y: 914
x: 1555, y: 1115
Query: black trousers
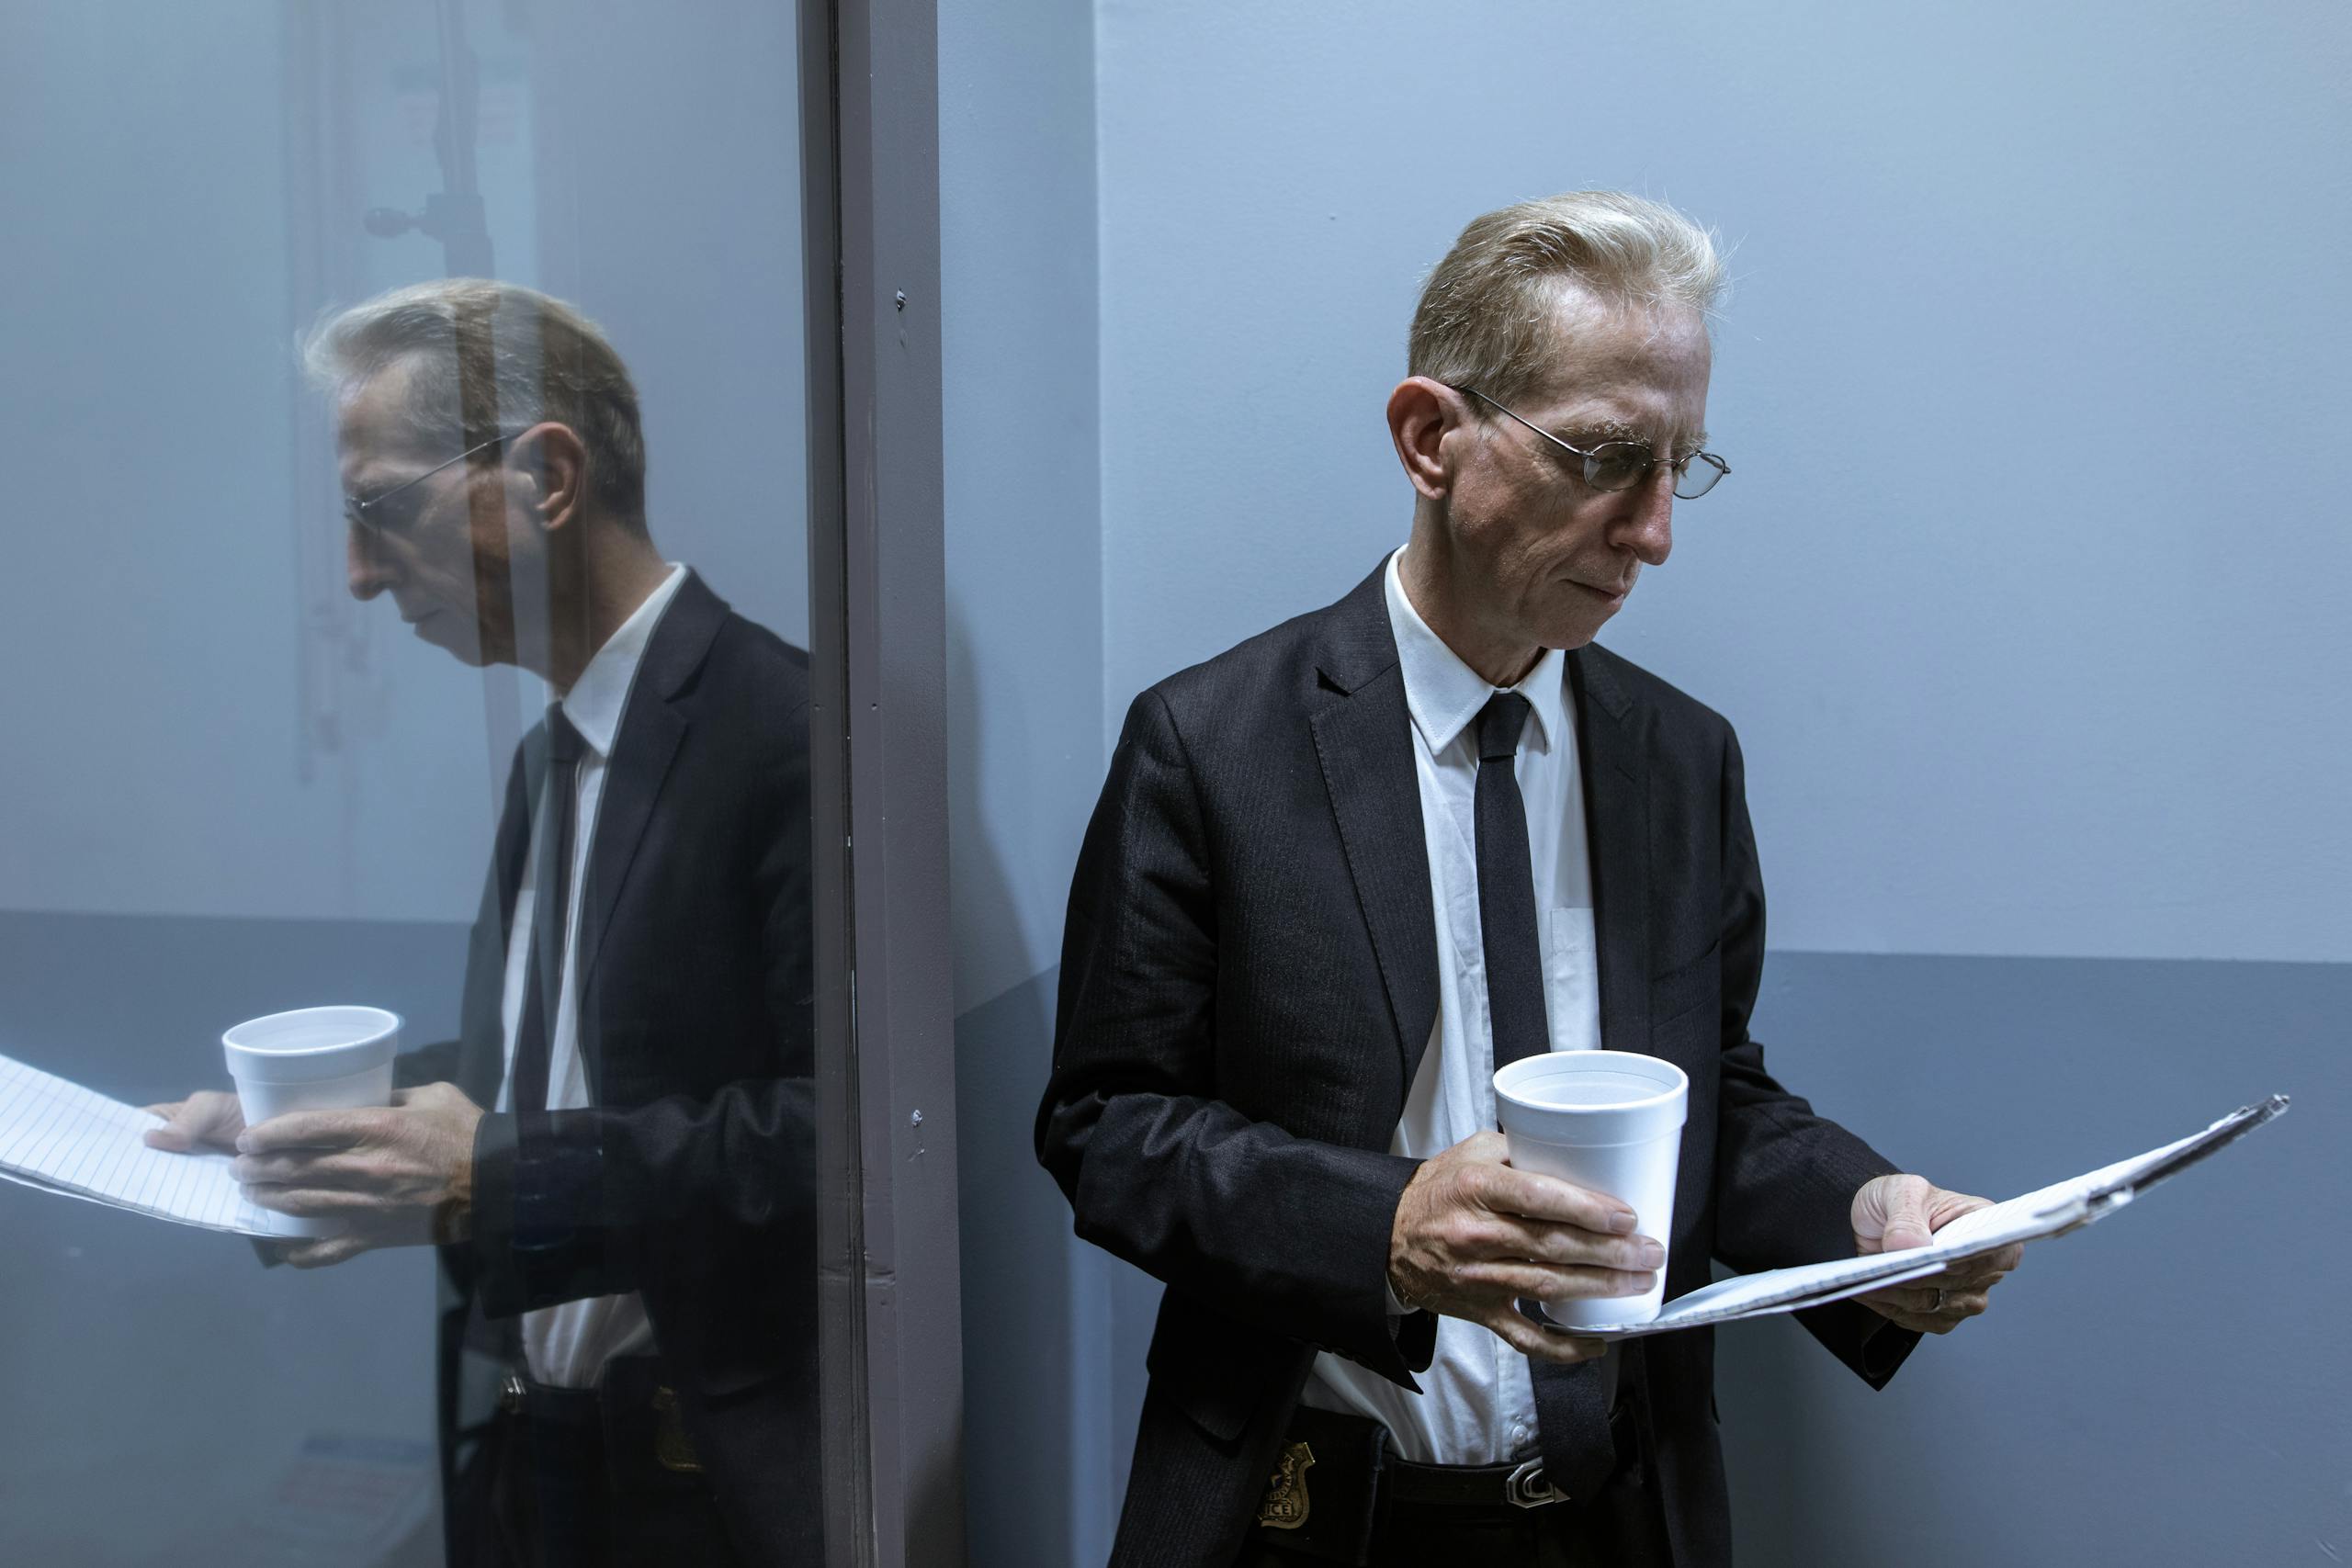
x: 1624, y: 1528
x: 544, y: 1493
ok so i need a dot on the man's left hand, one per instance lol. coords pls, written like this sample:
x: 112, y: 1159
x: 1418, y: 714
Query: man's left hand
x: 399, y: 1175
x: 1892, y: 1212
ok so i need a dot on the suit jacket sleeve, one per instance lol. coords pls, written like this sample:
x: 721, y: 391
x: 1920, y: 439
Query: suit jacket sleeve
x: 657, y: 1196
x: 1785, y: 1179
x: 1277, y: 1232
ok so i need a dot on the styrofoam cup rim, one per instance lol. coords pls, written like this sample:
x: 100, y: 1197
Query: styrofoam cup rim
x: 1506, y: 1083
x: 373, y: 1026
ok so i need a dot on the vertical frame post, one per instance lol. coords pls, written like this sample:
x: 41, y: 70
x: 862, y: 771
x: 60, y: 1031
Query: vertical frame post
x: 885, y: 1008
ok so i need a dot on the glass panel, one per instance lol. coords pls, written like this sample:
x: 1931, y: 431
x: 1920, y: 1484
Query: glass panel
x: 507, y: 764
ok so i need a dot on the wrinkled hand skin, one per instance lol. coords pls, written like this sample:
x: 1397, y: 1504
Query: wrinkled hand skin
x: 1472, y: 1235
x: 1891, y: 1213
x: 397, y: 1176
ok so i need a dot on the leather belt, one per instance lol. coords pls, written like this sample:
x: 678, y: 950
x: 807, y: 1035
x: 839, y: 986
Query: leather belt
x: 1336, y: 1484
x: 518, y: 1395
x: 1517, y: 1485
x: 630, y: 1416
x: 1520, y: 1485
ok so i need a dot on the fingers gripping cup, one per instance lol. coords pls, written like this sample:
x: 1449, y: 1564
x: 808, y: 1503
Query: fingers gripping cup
x: 1611, y: 1120
x: 337, y: 1058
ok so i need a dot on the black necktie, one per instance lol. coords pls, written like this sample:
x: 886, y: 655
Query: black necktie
x: 550, y: 905
x: 1571, y: 1403
x: 1507, y: 888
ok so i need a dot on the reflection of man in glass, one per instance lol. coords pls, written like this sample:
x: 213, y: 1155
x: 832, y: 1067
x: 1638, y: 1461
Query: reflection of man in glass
x: 616, y: 1154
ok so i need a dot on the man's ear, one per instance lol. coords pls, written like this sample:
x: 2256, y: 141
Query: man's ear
x: 552, y: 463
x: 1421, y: 413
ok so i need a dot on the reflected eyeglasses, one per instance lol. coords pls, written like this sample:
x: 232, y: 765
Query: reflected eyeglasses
x: 1621, y: 465
x: 362, y: 514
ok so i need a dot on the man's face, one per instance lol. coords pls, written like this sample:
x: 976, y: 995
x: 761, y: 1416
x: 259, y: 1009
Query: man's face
x: 1542, y: 558
x: 448, y: 571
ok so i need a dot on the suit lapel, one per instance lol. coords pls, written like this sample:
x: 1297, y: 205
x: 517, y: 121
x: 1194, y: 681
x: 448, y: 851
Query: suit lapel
x: 651, y: 729
x: 482, y: 1058
x: 1364, y: 742
x: 1617, y: 832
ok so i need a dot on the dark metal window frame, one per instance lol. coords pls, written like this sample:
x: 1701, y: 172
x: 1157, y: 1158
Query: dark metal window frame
x: 890, y: 1299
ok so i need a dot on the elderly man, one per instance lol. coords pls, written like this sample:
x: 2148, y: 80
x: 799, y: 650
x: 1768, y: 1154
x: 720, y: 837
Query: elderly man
x: 1341, y: 872
x: 616, y: 1154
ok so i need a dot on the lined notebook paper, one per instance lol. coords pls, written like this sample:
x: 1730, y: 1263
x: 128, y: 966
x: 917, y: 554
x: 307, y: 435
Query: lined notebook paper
x: 61, y: 1137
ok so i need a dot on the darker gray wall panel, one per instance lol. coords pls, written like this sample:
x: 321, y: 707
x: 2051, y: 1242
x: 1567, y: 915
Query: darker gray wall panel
x: 134, y: 1005
x: 1022, y: 1335
x: 1054, y: 1330
x: 2106, y: 1411
x: 2167, y: 1387
x: 139, y: 1343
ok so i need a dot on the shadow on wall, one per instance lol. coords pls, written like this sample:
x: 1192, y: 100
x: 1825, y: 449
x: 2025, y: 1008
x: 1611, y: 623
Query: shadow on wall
x: 1054, y: 1329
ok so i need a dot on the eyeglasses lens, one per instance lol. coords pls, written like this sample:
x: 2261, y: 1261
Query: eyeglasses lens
x: 1616, y: 465
x: 1700, y: 476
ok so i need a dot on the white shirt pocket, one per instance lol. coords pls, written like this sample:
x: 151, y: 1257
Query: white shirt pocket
x: 1571, y: 980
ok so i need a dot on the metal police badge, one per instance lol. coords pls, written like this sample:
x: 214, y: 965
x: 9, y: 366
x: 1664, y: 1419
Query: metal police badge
x: 1286, y: 1502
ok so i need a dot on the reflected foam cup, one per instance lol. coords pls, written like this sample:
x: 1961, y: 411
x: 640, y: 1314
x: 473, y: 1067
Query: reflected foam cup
x: 1609, y: 1121
x: 329, y: 1058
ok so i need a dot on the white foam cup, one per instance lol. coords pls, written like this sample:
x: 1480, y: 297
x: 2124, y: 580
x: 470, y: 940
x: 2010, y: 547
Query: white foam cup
x: 1611, y: 1120
x: 334, y: 1058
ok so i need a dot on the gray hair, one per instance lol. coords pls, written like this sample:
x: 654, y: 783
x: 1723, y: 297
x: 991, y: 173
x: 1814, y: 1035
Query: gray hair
x: 1486, y: 314
x: 485, y: 357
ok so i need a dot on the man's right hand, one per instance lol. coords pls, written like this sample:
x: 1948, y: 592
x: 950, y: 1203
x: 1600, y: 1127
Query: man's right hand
x: 208, y: 1117
x: 1472, y: 1235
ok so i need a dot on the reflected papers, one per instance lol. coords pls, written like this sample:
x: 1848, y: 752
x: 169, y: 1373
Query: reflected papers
x: 60, y: 1137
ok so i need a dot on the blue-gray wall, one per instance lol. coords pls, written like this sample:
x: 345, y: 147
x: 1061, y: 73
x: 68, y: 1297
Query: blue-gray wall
x: 1051, y: 1381
x: 246, y: 739
x: 2025, y: 596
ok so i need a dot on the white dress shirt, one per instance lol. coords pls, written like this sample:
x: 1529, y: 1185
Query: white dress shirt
x: 567, y: 1344
x: 1477, y: 1404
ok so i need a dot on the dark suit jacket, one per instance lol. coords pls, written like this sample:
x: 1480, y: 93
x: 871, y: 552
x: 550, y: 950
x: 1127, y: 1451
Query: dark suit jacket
x: 690, y: 1179
x: 1249, y: 981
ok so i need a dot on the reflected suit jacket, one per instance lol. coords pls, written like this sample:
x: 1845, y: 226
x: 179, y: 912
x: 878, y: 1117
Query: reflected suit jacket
x: 1248, y: 982
x: 689, y: 1178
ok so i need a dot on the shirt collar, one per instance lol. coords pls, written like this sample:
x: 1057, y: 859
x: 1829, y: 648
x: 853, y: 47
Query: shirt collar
x: 1444, y: 696
x: 595, y: 702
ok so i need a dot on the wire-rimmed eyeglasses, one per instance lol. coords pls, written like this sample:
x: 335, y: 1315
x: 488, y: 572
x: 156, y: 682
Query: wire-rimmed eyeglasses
x: 1621, y: 465
x: 361, y: 513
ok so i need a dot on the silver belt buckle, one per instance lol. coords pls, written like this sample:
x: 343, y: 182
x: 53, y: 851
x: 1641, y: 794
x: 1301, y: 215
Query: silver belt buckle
x: 512, y: 1394
x: 1527, y: 1487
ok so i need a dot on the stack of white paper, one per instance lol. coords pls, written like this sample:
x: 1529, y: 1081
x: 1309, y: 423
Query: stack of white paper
x: 61, y: 1137
x: 2047, y: 1212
